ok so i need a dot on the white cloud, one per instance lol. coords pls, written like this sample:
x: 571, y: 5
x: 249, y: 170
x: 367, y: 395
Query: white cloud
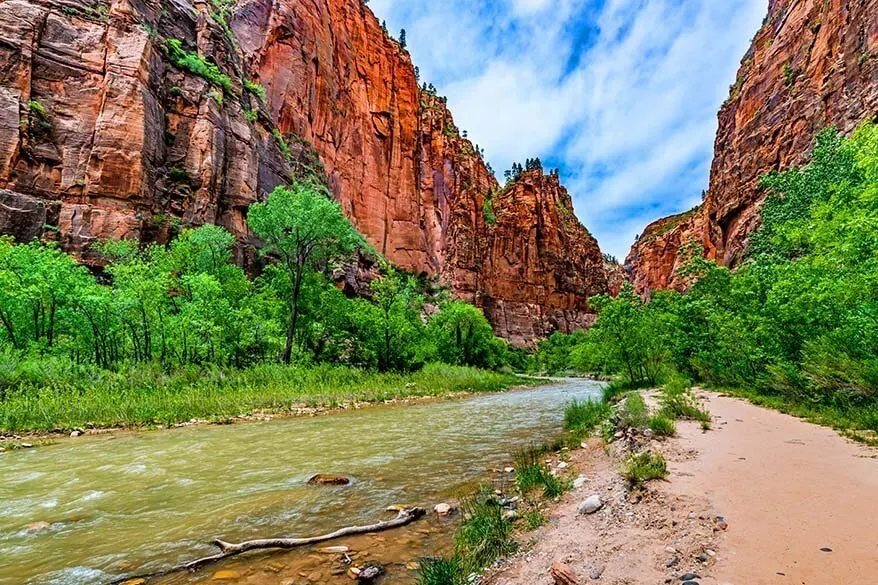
x: 621, y: 94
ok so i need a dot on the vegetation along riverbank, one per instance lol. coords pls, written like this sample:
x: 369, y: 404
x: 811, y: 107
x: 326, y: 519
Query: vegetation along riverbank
x: 794, y: 327
x: 161, y: 334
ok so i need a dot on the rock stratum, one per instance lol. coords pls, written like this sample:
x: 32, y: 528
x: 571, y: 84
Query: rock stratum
x: 104, y: 134
x: 813, y: 64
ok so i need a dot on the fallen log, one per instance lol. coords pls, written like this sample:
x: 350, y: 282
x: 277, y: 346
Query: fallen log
x: 228, y: 549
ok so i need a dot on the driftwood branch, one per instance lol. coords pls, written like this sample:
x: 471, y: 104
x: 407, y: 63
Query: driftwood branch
x: 227, y: 549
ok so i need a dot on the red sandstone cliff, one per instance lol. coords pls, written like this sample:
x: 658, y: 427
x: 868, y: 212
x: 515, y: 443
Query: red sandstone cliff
x: 101, y: 136
x: 814, y: 63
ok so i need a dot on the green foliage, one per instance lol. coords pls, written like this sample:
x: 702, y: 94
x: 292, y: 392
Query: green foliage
x: 533, y: 519
x: 796, y: 324
x: 643, y: 467
x: 585, y: 415
x: 282, y: 144
x: 531, y: 473
x: 439, y: 571
x: 58, y: 393
x: 254, y: 88
x: 461, y: 335
x: 632, y: 412
x: 197, y: 65
x: 488, y: 209
x: 663, y: 426
x: 303, y: 228
x: 485, y: 534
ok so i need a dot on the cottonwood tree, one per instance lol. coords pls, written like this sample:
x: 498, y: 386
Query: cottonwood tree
x: 302, y: 228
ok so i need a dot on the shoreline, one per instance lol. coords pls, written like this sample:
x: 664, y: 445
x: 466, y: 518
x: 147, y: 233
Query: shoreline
x: 748, y: 501
x: 28, y: 440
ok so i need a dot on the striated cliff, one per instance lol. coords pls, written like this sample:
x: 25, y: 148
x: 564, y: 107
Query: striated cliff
x: 109, y: 131
x: 813, y: 64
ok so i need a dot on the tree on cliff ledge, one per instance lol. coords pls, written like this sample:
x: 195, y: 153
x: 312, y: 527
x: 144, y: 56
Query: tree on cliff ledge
x: 303, y: 228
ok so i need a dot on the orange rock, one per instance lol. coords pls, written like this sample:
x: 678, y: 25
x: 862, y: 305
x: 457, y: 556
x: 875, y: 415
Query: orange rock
x: 562, y: 574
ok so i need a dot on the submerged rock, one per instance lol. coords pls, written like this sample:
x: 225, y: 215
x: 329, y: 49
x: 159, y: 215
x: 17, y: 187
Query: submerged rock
x: 327, y: 479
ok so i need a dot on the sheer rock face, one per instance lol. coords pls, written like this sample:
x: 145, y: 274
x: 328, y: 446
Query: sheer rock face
x: 813, y: 64
x: 114, y: 142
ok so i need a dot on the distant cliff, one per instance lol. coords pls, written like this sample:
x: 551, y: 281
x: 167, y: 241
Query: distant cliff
x: 814, y: 63
x: 110, y: 129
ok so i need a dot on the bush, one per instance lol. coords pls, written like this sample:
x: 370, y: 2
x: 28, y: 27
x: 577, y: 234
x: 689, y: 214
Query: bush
x: 678, y: 402
x: 643, y: 467
x: 632, y: 412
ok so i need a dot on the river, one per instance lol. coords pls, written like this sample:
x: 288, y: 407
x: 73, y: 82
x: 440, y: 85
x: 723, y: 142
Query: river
x: 91, y: 509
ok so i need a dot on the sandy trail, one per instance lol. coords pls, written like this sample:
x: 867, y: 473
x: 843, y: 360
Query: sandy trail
x: 788, y: 488
x: 785, y: 487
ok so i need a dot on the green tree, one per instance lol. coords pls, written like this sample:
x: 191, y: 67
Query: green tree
x: 302, y: 227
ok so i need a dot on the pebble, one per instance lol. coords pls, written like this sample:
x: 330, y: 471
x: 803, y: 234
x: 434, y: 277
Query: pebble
x: 672, y: 562
x: 563, y: 465
x: 825, y: 549
x: 75, y: 434
x: 509, y: 469
x: 590, y: 505
x: 579, y: 482
x: 689, y: 577
x: 670, y: 549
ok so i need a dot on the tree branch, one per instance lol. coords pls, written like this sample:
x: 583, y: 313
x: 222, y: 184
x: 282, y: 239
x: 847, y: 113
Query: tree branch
x: 227, y: 549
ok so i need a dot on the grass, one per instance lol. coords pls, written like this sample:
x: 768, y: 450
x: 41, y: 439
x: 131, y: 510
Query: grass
x: 254, y: 88
x: 485, y: 534
x: 440, y: 572
x: 533, y: 519
x: 585, y: 415
x: 632, y: 413
x: 531, y: 473
x: 643, y: 467
x: 663, y: 426
x: 678, y: 402
x: 45, y: 395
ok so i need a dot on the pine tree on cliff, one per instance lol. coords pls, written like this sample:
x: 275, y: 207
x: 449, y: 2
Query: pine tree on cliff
x: 402, y: 42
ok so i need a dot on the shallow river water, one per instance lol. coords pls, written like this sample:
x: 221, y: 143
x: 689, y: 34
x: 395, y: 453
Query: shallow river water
x: 89, y: 510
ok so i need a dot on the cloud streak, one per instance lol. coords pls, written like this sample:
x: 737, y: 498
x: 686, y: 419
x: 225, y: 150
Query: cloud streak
x: 622, y: 95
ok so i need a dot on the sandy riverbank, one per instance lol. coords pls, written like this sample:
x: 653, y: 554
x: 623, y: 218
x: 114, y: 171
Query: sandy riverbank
x: 752, y: 501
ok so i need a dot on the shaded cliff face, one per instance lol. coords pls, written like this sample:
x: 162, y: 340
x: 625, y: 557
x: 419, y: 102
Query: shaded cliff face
x: 101, y: 136
x: 814, y: 63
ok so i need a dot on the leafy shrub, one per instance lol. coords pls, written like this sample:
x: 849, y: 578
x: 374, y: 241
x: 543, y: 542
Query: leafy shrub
x: 678, y: 402
x: 643, y: 467
x: 197, y: 65
x: 254, y: 88
x: 632, y: 412
x: 485, y: 534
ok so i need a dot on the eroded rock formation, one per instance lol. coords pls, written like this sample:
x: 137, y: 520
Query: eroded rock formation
x: 813, y: 64
x: 104, y: 135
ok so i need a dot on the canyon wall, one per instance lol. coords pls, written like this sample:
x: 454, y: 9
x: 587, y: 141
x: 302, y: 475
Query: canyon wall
x: 812, y: 64
x: 104, y: 134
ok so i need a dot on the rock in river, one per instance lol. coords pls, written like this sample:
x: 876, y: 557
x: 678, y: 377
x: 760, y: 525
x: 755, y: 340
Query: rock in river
x: 443, y: 509
x: 327, y: 479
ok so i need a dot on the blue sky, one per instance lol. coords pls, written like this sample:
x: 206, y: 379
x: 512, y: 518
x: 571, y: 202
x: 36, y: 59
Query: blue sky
x: 621, y: 95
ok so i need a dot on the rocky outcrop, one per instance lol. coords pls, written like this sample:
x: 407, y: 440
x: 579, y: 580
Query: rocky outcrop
x: 526, y: 260
x: 104, y: 125
x: 656, y: 258
x: 813, y: 64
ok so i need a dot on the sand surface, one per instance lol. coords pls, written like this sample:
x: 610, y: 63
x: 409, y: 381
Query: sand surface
x: 783, y: 488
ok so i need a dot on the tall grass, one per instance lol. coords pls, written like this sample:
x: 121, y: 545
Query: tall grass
x: 585, y: 415
x: 531, y: 473
x: 678, y: 401
x: 643, y: 467
x: 485, y: 535
x: 56, y: 394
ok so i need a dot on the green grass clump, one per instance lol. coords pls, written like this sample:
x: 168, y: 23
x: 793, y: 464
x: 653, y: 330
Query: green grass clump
x: 197, y: 65
x: 585, y: 415
x: 632, y: 412
x: 485, y: 534
x: 439, y: 571
x: 643, y: 467
x: 282, y: 144
x: 531, y: 473
x: 533, y: 519
x: 678, y: 401
x: 52, y: 393
x: 663, y: 426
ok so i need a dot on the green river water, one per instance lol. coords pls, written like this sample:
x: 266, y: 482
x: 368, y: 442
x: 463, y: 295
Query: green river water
x: 92, y: 509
